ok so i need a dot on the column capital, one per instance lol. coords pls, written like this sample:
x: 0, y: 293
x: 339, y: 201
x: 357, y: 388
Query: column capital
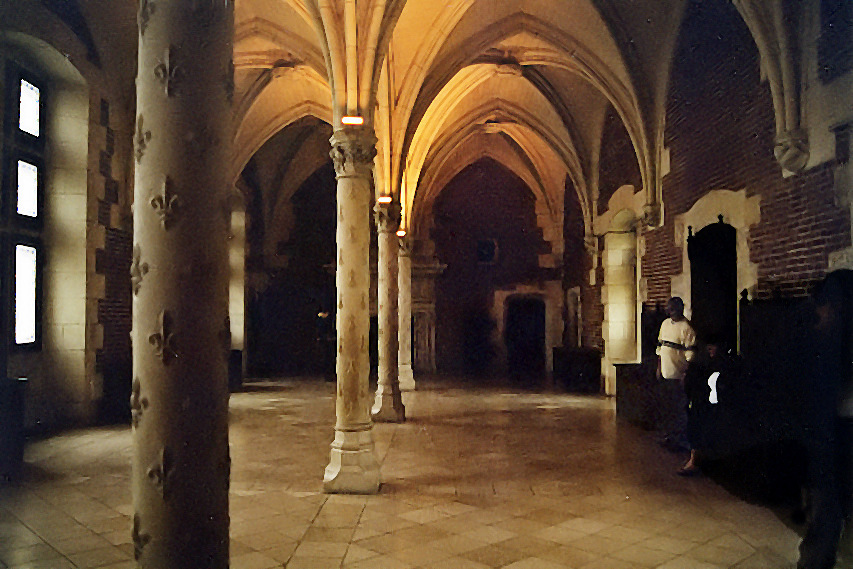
x: 353, y: 151
x: 387, y: 217
x: 407, y: 246
x: 792, y: 150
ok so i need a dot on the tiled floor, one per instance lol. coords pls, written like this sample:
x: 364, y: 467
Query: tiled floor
x: 477, y: 478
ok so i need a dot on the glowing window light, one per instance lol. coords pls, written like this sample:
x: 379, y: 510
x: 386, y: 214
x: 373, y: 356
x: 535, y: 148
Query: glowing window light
x: 29, y: 109
x: 352, y: 121
x: 28, y: 175
x: 25, y: 294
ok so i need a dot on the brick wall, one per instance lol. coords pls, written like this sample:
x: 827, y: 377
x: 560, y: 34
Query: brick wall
x: 720, y: 132
x: 113, y: 360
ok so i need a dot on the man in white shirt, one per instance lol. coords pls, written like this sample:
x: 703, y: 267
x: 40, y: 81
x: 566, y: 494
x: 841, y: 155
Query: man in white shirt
x: 676, y: 346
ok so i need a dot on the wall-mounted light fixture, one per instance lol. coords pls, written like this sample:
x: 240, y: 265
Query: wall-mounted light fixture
x: 401, y: 232
x: 384, y: 199
x: 352, y: 121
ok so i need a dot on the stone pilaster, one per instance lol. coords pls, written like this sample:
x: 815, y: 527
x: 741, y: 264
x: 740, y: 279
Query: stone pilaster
x: 388, y: 405
x: 179, y: 401
x: 353, y: 467
x: 404, y: 309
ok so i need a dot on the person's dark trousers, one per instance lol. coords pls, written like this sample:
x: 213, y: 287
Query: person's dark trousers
x: 674, y: 403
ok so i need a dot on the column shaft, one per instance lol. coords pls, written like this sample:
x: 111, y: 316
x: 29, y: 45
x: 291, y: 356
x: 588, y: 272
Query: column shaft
x: 353, y: 467
x: 181, y: 336
x: 404, y: 308
x: 388, y: 405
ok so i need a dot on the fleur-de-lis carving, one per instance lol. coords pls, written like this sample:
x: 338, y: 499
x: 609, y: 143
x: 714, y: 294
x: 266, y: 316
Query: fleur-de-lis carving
x: 167, y: 204
x: 161, y: 474
x: 140, y: 540
x: 138, y: 270
x: 164, y: 339
x: 143, y: 137
x: 146, y: 10
x: 169, y: 72
x: 138, y: 404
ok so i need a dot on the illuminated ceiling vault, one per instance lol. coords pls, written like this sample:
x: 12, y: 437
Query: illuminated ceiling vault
x: 526, y: 82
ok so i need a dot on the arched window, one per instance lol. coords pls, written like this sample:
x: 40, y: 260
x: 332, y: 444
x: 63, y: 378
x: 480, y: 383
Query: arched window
x: 22, y: 204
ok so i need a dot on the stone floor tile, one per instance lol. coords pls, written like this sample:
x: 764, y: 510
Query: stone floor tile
x: 684, y: 562
x: 487, y: 476
x: 494, y: 555
x: 320, y: 549
x: 380, y: 562
x: 719, y: 555
x: 642, y: 556
x: 19, y: 556
x: 358, y: 553
x: 569, y: 556
x: 98, y: 557
x: 254, y: 561
x: 490, y: 534
x: 669, y: 544
x: 534, y: 563
x: 609, y: 563
x: 455, y: 563
x: 313, y: 563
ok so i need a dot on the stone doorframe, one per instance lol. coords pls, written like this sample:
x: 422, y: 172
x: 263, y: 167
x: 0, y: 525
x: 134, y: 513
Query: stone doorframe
x: 551, y: 293
x: 738, y: 210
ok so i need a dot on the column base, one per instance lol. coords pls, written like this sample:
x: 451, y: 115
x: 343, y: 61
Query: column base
x: 388, y: 406
x: 407, y: 378
x: 353, y: 467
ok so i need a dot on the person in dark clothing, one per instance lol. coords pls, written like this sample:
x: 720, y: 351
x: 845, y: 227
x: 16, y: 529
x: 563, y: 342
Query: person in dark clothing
x: 826, y: 421
x: 711, y: 368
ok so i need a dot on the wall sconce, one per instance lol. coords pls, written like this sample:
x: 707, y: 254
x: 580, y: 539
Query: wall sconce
x: 401, y: 232
x: 384, y: 199
x: 352, y: 121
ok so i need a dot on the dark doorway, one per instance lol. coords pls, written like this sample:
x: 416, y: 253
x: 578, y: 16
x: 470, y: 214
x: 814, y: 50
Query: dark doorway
x: 713, y: 282
x: 524, y: 334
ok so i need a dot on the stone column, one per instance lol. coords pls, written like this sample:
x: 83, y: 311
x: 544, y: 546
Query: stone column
x: 388, y: 405
x: 404, y: 308
x: 353, y: 467
x: 181, y: 334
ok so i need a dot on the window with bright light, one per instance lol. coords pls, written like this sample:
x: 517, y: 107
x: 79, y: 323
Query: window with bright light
x: 21, y: 224
x: 25, y: 294
x: 29, y: 110
x: 27, y: 189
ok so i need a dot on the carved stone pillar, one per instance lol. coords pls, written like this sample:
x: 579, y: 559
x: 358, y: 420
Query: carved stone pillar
x: 181, y: 334
x: 404, y: 308
x: 388, y: 405
x: 353, y: 467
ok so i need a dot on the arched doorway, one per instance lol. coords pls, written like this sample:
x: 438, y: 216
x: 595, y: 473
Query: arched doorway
x: 524, y: 337
x: 713, y: 282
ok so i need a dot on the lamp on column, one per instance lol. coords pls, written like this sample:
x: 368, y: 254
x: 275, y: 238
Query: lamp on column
x: 352, y: 121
